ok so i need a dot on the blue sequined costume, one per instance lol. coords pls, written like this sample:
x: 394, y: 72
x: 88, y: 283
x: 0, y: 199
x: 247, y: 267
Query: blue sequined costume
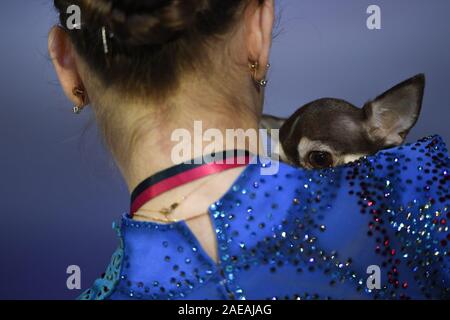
x: 303, y: 235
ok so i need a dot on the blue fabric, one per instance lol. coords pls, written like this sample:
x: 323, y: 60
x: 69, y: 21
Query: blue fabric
x: 303, y: 235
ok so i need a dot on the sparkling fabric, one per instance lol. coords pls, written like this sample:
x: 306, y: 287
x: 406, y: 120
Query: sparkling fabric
x: 303, y: 235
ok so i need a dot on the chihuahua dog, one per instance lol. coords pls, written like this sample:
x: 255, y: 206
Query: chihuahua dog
x: 330, y: 132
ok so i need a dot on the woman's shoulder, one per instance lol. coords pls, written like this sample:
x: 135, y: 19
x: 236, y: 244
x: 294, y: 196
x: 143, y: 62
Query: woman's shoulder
x: 422, y: 163
x: 390, y: 209
x: 414, y: 172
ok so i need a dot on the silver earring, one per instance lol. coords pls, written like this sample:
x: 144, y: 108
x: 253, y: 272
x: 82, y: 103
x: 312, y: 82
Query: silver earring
x: 254, y: 67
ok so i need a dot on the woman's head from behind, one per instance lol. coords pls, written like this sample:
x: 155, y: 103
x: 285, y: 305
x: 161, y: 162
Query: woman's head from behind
x: 170, y: 59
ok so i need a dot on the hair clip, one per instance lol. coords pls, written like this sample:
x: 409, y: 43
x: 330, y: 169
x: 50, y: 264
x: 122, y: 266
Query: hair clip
x: 105, y: 40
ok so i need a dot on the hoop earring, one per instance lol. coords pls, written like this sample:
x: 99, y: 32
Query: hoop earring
x: 79, y: 93
x: 254, y: 67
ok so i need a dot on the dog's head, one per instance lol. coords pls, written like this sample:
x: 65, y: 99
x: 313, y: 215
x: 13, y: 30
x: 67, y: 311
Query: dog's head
x: 330, y: 132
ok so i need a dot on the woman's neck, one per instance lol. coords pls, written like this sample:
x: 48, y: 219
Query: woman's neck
x: 168, y: 146
x: 146, y: 136
x: 198, y: 120
x: 148, y: 141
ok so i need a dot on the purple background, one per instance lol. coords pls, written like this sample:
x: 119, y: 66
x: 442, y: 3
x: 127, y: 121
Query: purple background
x: 60, y: 191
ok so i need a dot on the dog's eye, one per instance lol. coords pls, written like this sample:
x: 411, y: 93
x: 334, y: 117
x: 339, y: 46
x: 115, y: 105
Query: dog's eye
x: 320, y: 159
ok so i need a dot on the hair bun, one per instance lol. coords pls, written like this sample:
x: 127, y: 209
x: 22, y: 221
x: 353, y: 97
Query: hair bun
x: 143, y: 22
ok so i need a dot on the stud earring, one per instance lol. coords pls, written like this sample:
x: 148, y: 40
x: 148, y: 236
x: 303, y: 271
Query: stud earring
x: 254, y: 67
x: 79, y: 93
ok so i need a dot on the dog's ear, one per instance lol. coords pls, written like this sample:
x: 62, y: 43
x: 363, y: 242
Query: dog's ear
x: 271, y: 122
x: 390, y: 117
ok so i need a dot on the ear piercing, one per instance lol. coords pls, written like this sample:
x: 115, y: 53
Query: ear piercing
x: 79, y: 93
x: 254, y: 67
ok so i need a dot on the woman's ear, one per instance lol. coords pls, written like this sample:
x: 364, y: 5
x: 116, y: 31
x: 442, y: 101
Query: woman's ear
x: 259, y: 21
x: 64, y: 61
